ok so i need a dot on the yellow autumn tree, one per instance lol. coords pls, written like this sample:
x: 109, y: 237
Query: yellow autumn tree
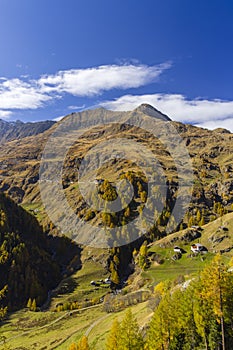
x: 113, y: 339
x: 125, y: 335
x: 131, y: 337
x: 216, y: 292
x: 83, y: 344
x: 73, y: 346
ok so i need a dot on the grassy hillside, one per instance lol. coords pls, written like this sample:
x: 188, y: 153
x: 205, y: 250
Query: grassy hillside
x: 216, y: 236
x: 49, y: 330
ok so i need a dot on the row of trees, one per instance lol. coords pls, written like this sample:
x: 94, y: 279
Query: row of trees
x: 81, y: 345
x: 201, y: 217
x: 31, y: 304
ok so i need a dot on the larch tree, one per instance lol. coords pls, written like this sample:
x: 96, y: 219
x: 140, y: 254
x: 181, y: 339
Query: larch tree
x: 143, y: 252
x: 163, y: 325
x: 73, y: 346
x: 83, y: 344
x: 33, y: 305
x: 198, y: 216
x: 131, y: 337
x: 113, y: 340
x: 115, y: 277
x: 29, y: 303
x: 125, y: 335
x: 217, y: 291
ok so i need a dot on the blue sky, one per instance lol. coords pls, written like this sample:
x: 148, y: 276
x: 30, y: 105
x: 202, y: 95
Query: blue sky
x: 58, y: 57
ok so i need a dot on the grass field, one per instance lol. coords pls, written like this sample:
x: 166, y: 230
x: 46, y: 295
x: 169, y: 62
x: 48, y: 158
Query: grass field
x: 57, y: 330
x: 36, y: 209
x: 77, y: 287
x: 170, y: 269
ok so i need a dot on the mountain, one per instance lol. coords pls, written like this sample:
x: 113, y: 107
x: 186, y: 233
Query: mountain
x: 211, y: 153
x: 33, y: 262
x: 16, y: 130
x: 215, y: 236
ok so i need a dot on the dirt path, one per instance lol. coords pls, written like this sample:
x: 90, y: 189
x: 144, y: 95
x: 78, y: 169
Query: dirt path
x: 49, y: 324
x: 88, y: 331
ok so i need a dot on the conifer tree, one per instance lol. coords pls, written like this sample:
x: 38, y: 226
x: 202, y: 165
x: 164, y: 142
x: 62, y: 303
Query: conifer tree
x: 191, y: 221
x: 162, y: 325
x: 216, y: 291
x: 83, y: 344
x: 115, y: 277
x: 198, y: 216
x: 143, y: 252
x: 127, y: 212
x: 33, y: 305
x: 131, y: 337
x: 113, y: 339
x: 73, y: 346
x: 202, y: 221
x: 126, y: 335
x: 29, y: 303
x: 116, y: 260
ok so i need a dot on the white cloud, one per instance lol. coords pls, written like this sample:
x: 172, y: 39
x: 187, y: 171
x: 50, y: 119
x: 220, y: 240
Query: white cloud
x: 57, y: 119
x: 206, y: 113
x: 26, y: 93
x: 93, y: 81
x: 76, y: 107
x: 5, y: 114
x: 225, y: 124
x: 18, y: 94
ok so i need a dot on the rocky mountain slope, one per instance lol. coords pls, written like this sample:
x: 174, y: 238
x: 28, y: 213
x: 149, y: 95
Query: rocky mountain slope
x: 211, y: 153
x: 16, y: 130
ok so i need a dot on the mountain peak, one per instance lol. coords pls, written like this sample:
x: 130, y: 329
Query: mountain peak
x: 147, y: 109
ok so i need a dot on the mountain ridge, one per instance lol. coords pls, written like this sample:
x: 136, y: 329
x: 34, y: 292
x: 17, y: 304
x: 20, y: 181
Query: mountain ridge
x: 16, y: 130
x: 211, y: 152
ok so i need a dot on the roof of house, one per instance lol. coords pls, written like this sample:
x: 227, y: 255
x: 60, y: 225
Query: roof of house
x: 197, y: 245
